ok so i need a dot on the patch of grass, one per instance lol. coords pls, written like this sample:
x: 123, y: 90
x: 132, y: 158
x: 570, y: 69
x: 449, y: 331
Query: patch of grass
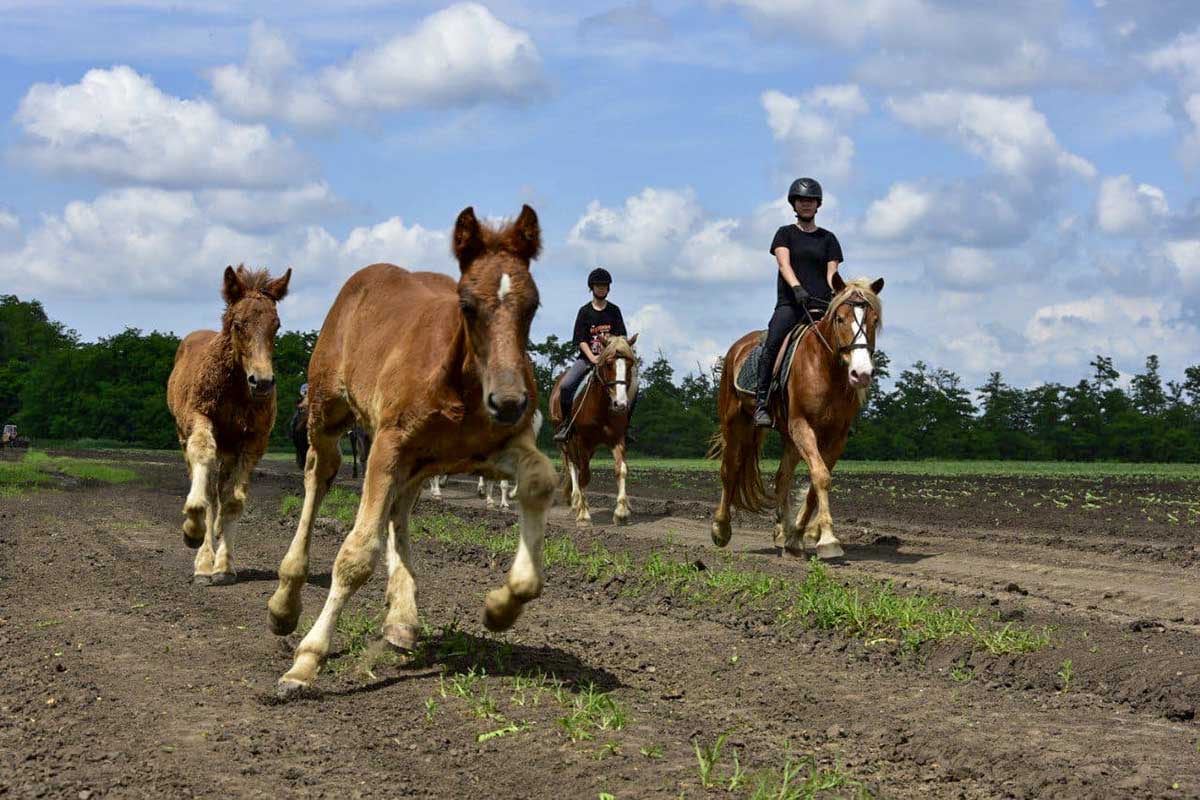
x: 805, y: 779
x: 36, y: 469
x: 592, y: 709
x: 291, y: 504
x: 1065, y: 673
x: 707, y: 758
x: 339, y: 503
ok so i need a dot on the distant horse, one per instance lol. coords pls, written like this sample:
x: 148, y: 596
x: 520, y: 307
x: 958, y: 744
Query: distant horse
x: 360, y: 448
x: 222, y: 395
x: 360, y: 441
x: 823, y: 391
x: 437, y: 371
x: 600, y: 416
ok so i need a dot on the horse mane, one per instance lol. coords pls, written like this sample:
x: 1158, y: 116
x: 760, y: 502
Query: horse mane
x: 861, y: 286
x: 617, y: 346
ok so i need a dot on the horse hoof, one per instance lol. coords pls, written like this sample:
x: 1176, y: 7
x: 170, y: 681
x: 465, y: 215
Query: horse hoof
x: 192, y: 543
x: 622, y: 519
x: 282, y: 626
x: 401, y: 636
x: 792, y: 552
x: 287, y: 688
x: 830, y: 552
x: 721, y: 533
x: 201, y: 580
x: 223, y: 578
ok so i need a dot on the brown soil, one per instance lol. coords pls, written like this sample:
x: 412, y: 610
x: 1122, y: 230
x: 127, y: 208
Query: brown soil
x: 120, y: 679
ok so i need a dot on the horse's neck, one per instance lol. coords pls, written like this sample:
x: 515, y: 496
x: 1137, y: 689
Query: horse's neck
x: 221, y: 365
x: 460, y: 365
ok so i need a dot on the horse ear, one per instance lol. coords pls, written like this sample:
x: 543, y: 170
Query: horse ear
x: 838, y: 283
x: 278, y: 288
x: 468, y: 238
x: 234, y: 288
x: 527, y: 234
x: 877, y: 286
x: 633, y: 339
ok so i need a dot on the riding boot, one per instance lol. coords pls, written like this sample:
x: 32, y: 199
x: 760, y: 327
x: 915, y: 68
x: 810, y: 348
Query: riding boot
x: 564, y: 430
x: 762, y: 417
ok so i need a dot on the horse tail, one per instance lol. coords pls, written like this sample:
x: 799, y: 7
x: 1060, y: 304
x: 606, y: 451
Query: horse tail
x: 739, y: 445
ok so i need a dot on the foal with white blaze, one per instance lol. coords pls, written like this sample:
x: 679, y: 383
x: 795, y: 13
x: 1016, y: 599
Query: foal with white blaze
x: 222, y: 395
x: 437, y: 373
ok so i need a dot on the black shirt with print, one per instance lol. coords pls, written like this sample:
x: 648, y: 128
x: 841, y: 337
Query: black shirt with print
x: 810, y: 257
x: 591, y: 325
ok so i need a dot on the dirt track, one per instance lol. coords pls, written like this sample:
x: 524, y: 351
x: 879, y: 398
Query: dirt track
x: 118, y: 678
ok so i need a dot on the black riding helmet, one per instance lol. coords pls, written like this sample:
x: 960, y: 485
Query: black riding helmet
x: 804, y: 187
x: 599, y: 275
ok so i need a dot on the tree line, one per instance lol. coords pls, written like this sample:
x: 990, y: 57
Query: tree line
x: 55, y: 386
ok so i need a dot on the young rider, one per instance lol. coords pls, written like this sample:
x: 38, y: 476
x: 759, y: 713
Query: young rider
x: 807, y: 257
x: 597, y: 320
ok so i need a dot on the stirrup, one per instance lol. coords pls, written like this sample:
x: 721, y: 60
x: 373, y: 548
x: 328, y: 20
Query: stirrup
x: 563, y: 433
x: 762, y: 417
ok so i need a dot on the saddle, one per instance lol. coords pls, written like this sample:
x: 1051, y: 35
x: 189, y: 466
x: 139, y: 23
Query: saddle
x: 746, y: 380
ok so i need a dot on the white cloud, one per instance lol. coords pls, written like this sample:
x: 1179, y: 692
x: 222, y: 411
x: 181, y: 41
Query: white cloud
x: 118, y: 126
x: 664, y: 233
x: 1184, y: 254
x: 897, y: 214
x: 968, y: 269
x: 250, y: 210
x: 1180, y: 58
x: 684, y: 344
x: 1006, y: 132
x: 1125, y: 327
x: 1189, y: 149
x: 459, y: 55
x: 10, y: 229
x: 1122, y: 207
x: 809, y: 127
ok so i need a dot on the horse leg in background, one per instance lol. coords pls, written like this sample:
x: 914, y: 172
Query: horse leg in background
x: 354, y: 563
x: 231, y: 502
x: 805, y: 519
x: 353, y: 454
x: 512, y: 492
x: 488, y: 488
x: 402, y: 625
x: 525, y: 578
x: 504, y: 506
x: 201, y: 454
x: 785, y: 537
x: 621, y: 513
x: 435, y: 487
x: 802, y: 435
x: 481, y: 489
x: 320, y: 468
x: 578, y: 467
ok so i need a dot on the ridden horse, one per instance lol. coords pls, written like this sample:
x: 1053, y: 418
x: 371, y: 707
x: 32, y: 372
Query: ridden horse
x: 360, y: 449
x: 824, y: 389
x: 222, y: 395
x: 600, y: 415
x: 437, y: 373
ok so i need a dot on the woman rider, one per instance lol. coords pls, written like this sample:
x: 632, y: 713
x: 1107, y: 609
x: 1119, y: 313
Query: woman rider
x: 807, y: 257
x: 596, y: 321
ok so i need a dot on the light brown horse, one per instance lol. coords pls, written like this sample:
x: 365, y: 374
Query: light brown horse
x: 436, y: 372
x: 600, y: 416
x: 222, y: 394
x: 829, y: 375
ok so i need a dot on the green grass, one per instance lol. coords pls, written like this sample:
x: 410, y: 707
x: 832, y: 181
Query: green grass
x: 36, y: 469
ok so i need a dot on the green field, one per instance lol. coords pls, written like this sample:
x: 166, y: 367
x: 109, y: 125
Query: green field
x: 36, y: 468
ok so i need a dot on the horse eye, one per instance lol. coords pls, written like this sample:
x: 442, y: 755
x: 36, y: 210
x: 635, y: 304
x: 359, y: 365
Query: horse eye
x: 467, y: 307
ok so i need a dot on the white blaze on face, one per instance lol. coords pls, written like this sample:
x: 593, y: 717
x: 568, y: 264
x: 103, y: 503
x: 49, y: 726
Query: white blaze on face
x: 622, y: 367
x: 505, y: 286
x: 860, y: 357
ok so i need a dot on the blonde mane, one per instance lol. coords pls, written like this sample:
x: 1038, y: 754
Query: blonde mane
x: 617, y: 346
x: 861, y: 286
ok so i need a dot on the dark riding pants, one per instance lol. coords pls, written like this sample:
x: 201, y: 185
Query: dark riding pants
x: 782, y: 321
x: 570, y: 385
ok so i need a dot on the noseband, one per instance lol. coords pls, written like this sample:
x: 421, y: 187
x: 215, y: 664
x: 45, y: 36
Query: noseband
x: 854, y: 301
x: 614, y: 382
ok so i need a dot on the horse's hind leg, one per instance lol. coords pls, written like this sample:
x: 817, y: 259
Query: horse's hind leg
x: 481, y: 490
x: 786, y: 538
x: 320, y: 468
x: 353, y: 566
x: 232, y: 503
x: 622, y: 511
x: 201, y: 454
x: 583, y: 517
x: 401, y: 626
x: 535, y: 475
x: 504, y: 506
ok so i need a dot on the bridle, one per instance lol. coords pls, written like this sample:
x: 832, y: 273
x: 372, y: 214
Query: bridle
x: 855, y: 300
x: 615, y: 382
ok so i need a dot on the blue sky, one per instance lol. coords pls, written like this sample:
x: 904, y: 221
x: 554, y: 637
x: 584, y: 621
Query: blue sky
x: 1023, y: 174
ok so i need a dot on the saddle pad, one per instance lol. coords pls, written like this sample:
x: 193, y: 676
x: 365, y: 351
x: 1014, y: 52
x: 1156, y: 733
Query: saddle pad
x: 746, y: 379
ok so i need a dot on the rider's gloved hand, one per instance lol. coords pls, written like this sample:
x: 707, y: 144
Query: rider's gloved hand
x: 801, y: 294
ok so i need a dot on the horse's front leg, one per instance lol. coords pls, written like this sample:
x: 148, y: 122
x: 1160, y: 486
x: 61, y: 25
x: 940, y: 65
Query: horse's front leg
x: 354, y: 563
x: 786, y: 536
x: 535, y: 477
x: 805, y: 438
x: 204, y: 468
x: 504, y: 506
x: 621, y: 514
x: 578, y: 500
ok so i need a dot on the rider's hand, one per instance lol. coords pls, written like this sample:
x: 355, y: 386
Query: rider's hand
x: 801, y: 294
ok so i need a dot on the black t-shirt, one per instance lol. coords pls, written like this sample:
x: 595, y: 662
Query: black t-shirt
x: 810, y: 257
x: 591, y: 325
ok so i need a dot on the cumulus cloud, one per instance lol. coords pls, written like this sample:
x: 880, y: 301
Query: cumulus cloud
x: 116, y: 125
x: 1180, y: 57
x: 809, y: 127
x: 10, y: 229
x: 145, y: 243
x: 1124, y: 327
x: 250, y: 210
x: 460, y: 55
x: 974, y: 213
x: 660, y: 330
x: 665, y: 232
x: 1189, y: 149
x: 637, y: 20
x: 1007, y: 132
x: 898, y: 213
x: 1122, y: 207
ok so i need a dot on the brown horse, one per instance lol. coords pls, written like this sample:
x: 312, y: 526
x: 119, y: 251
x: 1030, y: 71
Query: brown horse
x: 600, y: 415
x: 824, y: 390
x: 222, y: 394
x: 436, y: 372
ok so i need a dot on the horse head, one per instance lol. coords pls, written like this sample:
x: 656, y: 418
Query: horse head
x: 616, y: 367
x: 251, y: 322
x: 855, y: 314
x: 497, y: 299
